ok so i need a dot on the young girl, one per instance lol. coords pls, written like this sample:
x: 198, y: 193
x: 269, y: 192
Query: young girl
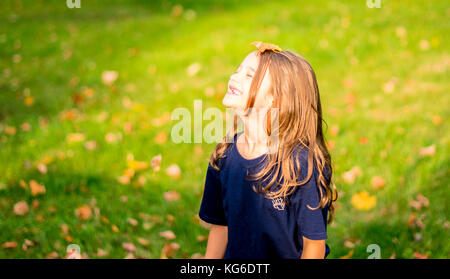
x: 264, y: 202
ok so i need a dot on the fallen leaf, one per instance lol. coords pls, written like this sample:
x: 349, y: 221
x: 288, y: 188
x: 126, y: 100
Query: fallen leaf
x: 10, y: 245
x: 169, y: 249
x: 137, y: 165
x: 334, y: 130
x: 347, y: 256
x: 114, y: 228
x: 91, y: 145
x: 101, y: 253
x: 161, y: 137
x: 129, y: 247
x: 167, y: 235
x: 197, y: 256
x: 428, y: 151
x: 109, y: 77
x: 21, y: 208
x: 144, y: 242
x: 36, y: 188
x: 363, y: 201
x: 75, y: 137
x: 171, y: 196
x: 193, y: 69
x: 350, y: 175
x: 132, y: 222
x: 418, y: 255
x: 173, y: 171
x: 83, y: 212
x: 378, y: 182
x: 42, y: 168
x: 52, y: 255
x: 156, y: 162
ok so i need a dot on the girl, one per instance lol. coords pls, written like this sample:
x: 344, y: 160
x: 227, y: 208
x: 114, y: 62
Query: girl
x: 266, y: 202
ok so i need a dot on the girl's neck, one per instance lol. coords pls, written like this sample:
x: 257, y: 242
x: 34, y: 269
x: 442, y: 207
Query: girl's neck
x: 254, y: 138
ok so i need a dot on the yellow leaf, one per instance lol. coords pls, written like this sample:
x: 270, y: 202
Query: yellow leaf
x: 138, y: 165
x: 363, y: 201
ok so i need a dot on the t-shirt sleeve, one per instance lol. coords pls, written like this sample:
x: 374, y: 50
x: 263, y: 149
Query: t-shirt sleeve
x: 211, y: 209
x: 311, y: 222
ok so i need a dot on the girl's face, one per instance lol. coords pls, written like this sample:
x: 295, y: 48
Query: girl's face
x: 239, y: 86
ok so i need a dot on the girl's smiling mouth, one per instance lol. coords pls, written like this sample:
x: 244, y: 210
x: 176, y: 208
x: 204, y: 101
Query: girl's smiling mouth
x: 233, y: 90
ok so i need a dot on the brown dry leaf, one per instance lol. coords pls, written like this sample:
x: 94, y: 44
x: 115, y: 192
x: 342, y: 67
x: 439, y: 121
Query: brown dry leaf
x: 21, y: 208
x: 348, y: 255
x: 10, y: 245
x: 171, y: 196
x: 101, y: 253
x: 428, y: 150
x: 64, y: 229
x: 42, y: 168
x: 420, y: 202
x: 75, y: 137
x: 23, y: 184
x: 144, y: 242
x: 129, y: 247
x: 35, y: 204
x: 415, y: 221
x: 169, y: 249
x: 10, y: 130
x: 202, y: 238
x: 378, y: 182
x: 193, y: 69
x: 114, y: 228
x: 418, y: 255
x: 350, y: 175
x: 141, y: 180
x: 68, y: 238
x: 167, y: 235
x: 161, y: 137
x: 334, y: 130
x: 132, y: 222
x: 83, y: 212
x: 91, y: 145
x: 437, y: 120
x: 27, y: 243
x: 109, y: 77
x: 363, y: 140
x: 173, y: 171
x: 25, y: 126
x: 197, y: 256
x: 52, y: 255
x: 36, y: 188
x: 156, y: 162
x: 68, y: 115
x: 162, y: 120
x: 29, y: 101
x: 124, y: 179
x: 128, y: 127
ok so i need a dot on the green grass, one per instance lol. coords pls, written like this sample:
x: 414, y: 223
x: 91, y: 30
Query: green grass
x: 353, y: 49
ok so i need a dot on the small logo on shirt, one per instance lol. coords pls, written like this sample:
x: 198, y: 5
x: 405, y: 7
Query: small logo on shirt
x: 278, y: 203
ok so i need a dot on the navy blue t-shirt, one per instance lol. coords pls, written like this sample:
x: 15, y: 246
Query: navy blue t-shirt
x: 259, y: 227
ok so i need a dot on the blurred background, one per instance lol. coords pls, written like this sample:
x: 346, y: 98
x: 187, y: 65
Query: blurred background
x: 86, y: 95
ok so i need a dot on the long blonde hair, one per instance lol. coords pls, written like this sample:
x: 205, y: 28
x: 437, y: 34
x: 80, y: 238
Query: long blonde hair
x: 296, y: 95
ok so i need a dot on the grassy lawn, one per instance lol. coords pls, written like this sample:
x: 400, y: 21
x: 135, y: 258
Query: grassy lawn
x: 64, y: 126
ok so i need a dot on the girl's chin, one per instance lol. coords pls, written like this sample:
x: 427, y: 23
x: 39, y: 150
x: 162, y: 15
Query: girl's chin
x: 231, y: 101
